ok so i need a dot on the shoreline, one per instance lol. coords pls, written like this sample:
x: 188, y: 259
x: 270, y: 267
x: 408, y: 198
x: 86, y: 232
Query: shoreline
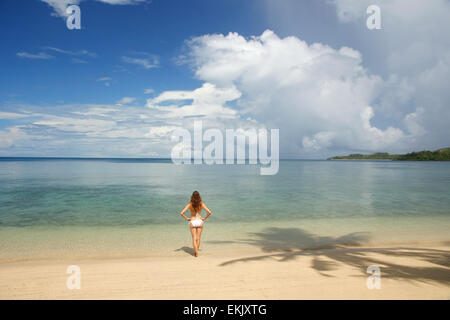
x: 407, y: 272
x: 50, y: 243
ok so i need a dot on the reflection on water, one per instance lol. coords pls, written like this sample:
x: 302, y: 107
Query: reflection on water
x: 135, y: 192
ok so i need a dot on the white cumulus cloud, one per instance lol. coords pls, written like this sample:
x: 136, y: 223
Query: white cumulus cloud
x: 207, y: 101
x: 414, y: 49
x: 319, y: 97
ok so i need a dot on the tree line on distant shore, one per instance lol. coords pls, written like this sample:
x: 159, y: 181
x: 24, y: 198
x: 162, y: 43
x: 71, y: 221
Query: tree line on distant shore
x: 438, y: 155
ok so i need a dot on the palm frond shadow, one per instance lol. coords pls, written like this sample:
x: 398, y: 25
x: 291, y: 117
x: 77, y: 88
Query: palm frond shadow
x: 285, y: 244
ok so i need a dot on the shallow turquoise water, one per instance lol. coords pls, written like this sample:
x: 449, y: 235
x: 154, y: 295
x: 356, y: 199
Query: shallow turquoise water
x: 49, y: 207
x: 127, y: 193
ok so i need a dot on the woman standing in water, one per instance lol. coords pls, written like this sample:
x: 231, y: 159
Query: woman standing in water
x: 196, y: 220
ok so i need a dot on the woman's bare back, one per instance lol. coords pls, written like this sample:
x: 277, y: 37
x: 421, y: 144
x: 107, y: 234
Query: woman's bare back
x: 196, y: 220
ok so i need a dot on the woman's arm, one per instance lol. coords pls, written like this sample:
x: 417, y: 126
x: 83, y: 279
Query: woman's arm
x: 207, y: 210
x: 184, y: 210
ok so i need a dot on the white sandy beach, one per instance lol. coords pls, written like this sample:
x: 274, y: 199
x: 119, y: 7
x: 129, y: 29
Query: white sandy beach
x: 247, y: 273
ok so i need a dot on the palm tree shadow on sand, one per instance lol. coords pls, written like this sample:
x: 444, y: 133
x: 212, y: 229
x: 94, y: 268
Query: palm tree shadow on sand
x: 286, y: 244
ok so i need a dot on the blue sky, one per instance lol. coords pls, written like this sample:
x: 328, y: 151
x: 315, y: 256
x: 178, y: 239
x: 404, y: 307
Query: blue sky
x: 95, y: 91
x: 113, y: 31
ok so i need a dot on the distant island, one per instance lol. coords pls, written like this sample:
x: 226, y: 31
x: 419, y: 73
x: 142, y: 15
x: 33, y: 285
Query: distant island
x: 438, y: 155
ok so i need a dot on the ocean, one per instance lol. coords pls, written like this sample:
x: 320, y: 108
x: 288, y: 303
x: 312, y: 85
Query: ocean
x: 85, y: 208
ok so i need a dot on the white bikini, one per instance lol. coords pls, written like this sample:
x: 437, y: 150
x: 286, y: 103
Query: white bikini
x: 197, y: 222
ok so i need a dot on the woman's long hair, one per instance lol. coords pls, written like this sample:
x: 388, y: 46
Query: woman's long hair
x: 196, y: 201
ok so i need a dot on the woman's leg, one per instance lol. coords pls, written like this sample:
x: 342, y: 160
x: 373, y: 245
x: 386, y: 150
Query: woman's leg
x: 194, y: 239
x: 199, y: 234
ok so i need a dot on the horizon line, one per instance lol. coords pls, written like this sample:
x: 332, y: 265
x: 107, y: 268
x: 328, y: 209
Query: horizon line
x: 135, y: 158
